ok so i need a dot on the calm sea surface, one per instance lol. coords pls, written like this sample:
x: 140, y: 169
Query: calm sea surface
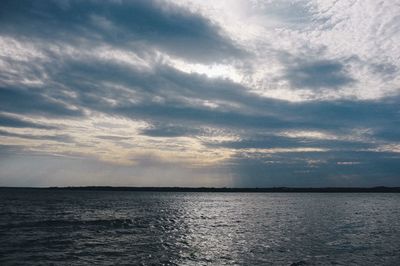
x: 153, y: 228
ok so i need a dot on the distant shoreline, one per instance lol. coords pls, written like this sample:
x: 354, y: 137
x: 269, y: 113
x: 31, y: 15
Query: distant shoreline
x: 380, y: 189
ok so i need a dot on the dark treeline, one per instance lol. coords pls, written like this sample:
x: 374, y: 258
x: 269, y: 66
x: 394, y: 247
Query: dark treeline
x: 226, y: 189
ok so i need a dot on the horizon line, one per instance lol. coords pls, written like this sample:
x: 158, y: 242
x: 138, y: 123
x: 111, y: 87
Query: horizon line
x: 215, y: 189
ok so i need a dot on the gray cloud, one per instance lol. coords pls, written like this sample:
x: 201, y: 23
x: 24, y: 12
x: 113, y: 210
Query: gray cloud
x: 33, y: 101
x: 177, y: 111
x: 334, y: 168
x: 170, y: 131
x: 116, y: 138
x: 318, y: 74
x: 11, y: 121
x: 274, y: 141
x: 60, y: 138
x: 294, y: 13
x: 174, y: 103
x: 132, y: 24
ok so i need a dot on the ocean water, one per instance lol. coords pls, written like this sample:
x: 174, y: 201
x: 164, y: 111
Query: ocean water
x: 155, y: 228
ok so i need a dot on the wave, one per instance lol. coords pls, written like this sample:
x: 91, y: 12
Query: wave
x: 108, y: 223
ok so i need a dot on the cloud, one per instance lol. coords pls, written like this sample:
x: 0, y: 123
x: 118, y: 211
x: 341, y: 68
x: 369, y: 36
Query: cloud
x: 60, y: 138
x: 279, y: 142
x: 135, y: 25
x: 33, y: 101
x: 11, y: 121
x: 170, y: 131
x: 9, y: 150
x: 116, y: 138
x: 318, y: 75
x: 117, y: 83
x: 296, y: 14
x: 316, y: 169
x: 31, y: 169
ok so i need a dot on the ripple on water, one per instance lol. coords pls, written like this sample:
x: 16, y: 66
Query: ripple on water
x: 102, y: 228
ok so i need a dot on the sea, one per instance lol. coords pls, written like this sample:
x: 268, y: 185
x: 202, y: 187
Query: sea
x: 64, y: 227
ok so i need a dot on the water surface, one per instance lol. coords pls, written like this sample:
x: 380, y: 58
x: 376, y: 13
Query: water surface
x: 123, y: 227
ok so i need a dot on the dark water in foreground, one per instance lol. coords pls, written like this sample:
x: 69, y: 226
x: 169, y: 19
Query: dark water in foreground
x: 104, y: 228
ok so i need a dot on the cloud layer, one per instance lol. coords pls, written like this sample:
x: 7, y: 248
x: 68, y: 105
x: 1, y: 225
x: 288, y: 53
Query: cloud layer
x: 171, y: 93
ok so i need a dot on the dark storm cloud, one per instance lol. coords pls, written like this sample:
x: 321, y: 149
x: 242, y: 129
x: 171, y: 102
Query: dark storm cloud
x: 317, y: 74
x: 136, y: 24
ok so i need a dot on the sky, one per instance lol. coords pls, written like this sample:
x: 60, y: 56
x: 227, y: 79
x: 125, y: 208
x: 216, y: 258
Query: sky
x: 235, y: 93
